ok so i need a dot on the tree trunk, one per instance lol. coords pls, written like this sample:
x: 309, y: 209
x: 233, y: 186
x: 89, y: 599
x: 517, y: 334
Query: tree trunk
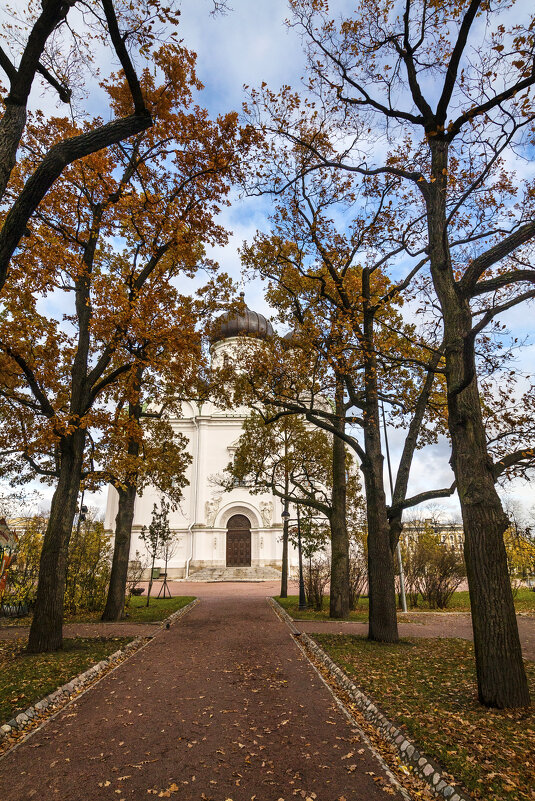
x: 47, y: 623
x: 339, y: 592
x: 501, y: 676
x: 383, y: 623
x: 151, y: 579
x: 115, y: 600
x: 11, y: 129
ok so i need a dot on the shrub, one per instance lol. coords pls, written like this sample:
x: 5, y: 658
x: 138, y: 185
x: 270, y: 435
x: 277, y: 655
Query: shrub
x: 317, y: 572
x: 24, y: 571
x: 432, y: 569
x: 358, y: 571
x: 442, y: 571
x: 520, y: 550
x: 88, y: 567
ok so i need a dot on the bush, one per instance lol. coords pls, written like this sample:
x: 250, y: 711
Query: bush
x: 317, y: 572
x: 24, y: 571
x: 442, y: 573
x: 88, y: 567
x: 520, y: 550
x: 432, y: 569
x: 358, y: 571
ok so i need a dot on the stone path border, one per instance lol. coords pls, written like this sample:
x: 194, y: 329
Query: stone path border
x: 427, y: 769
x: 60, y: 698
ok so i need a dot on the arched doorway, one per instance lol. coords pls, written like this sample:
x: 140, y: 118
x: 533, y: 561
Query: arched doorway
x: 238, y: 541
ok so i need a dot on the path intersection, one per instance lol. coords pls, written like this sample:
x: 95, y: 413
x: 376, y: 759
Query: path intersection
x: 223, y: 705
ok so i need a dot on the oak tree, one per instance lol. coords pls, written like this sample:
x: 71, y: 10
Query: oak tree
x: 437, y: 99
x: 137, y: 216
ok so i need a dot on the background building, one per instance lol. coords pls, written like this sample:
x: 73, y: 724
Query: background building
x: 219, y: 534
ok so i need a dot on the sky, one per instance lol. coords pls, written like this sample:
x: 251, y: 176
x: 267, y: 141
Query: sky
x: 248, y: 45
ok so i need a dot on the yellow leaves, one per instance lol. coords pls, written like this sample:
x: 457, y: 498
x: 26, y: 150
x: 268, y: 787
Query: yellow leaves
x: 173, y: 788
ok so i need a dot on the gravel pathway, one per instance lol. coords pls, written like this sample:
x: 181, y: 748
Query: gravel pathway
x: 106, y: 630
x: 221, y: 706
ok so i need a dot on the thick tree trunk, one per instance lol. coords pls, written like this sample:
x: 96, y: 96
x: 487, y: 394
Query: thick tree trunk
x: 339, y: 592
x: 501, y: 675
x: 500, y: 670
x: 11, y: 128
x: 47, y: 623
x: 383, y: 624
x: 115, y: 600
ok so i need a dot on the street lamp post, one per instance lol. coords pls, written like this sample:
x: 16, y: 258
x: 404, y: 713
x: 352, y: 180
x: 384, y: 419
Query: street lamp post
x: 398, y: 547
x: 285, y: 515
x: 286, y: 518
x: 302, y: 597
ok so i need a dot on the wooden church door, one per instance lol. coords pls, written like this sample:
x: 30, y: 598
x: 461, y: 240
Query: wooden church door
x: 238, y: 541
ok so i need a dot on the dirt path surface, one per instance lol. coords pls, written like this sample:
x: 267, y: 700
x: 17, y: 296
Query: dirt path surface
x: 426, y: 624
x: 221, y: 706
x: 106, y: 630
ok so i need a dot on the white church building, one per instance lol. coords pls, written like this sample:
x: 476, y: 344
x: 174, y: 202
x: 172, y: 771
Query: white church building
x: 219, y: 535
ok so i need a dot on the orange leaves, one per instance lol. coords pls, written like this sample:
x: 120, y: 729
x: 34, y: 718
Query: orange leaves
x: 100, y: 266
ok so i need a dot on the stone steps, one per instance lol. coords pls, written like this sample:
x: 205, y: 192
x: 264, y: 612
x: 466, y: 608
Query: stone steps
x: 236, y: 574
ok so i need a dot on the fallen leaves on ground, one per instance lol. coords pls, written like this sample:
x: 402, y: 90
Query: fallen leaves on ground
x: 490, y: 751
x: 26, y: 678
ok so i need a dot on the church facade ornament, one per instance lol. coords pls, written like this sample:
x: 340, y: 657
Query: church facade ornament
x: 211, y: 509
x: 266, y: 510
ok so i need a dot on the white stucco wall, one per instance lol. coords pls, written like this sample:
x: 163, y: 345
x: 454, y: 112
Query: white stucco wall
x: 200, y: 520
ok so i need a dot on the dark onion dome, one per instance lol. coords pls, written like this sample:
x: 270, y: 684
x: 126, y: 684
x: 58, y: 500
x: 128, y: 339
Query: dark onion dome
x: 244, y: 323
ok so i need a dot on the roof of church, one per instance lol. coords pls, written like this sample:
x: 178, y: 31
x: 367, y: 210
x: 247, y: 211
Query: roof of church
x: 245, y: 323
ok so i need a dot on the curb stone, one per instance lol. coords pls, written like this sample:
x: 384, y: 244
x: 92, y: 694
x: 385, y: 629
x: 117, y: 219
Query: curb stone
x: 57, y: 699
x: 424, y: 767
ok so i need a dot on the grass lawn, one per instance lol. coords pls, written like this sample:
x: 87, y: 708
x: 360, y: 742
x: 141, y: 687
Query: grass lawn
x: 291, y: 605
x: 26, y: 678
x: 139, y: 612
x: 158, y: 609
x: 429, y: 687
x: 460, y: 602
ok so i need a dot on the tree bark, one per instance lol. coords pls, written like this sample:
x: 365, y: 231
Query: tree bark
x: 46, y: 629
x: 115, y: 600
x: 21, y: 80
x: 383, y: 624
x: 501, y: 676
x: 53, y: 164
x: 339, y: 591
x: 11, y: 129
